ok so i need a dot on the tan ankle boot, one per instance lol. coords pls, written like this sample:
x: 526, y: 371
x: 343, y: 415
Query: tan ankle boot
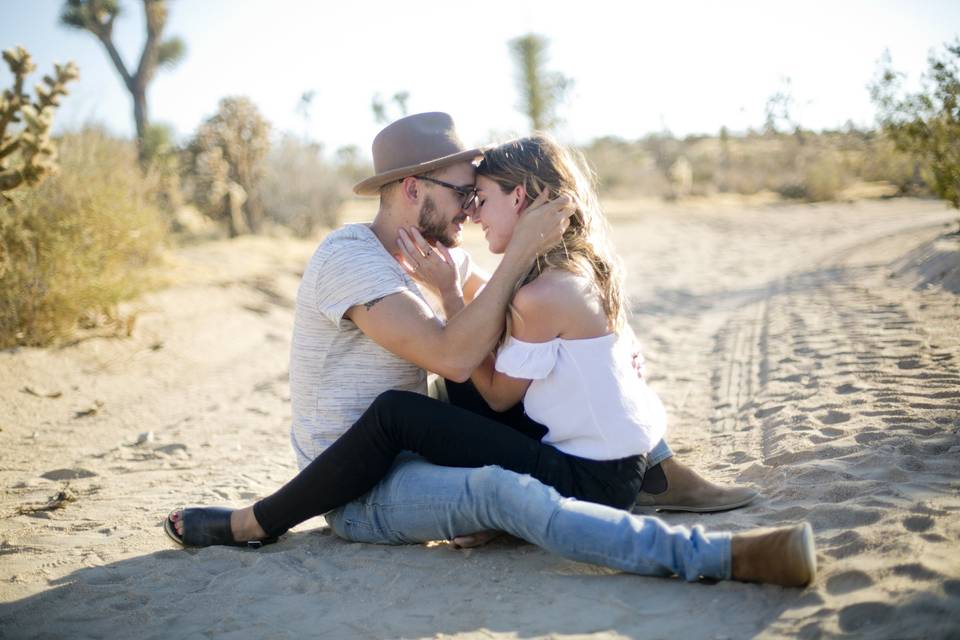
x: 686, y: 490
x: 784, y: 556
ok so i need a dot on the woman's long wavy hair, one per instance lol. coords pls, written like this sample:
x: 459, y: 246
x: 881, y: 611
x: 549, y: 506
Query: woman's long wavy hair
x: 540, y: 164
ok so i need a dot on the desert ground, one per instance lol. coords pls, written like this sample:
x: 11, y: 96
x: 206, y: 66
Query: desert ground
x: 812, y: 351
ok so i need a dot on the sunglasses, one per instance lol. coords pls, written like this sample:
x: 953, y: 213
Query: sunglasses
x: 469, y: 194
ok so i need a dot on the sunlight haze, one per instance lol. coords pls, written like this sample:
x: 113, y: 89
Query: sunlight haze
x: 690, y: 67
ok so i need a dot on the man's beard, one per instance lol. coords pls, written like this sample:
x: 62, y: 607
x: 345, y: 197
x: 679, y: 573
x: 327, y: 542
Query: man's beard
x: 433, y: 227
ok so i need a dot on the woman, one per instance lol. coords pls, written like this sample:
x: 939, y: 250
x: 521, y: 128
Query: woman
x: 564, y: 353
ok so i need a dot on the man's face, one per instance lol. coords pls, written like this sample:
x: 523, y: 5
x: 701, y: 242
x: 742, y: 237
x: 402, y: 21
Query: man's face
x: 441, y: 215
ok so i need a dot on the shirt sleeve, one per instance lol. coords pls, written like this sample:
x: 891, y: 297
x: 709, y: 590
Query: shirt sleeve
x: 349, y: 276
x: 527, y: 360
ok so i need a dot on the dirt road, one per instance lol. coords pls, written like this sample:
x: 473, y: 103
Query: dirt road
x: 797, y: 348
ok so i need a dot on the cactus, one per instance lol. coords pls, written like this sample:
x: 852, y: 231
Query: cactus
x: 225, y: 162
x: 27, y: 155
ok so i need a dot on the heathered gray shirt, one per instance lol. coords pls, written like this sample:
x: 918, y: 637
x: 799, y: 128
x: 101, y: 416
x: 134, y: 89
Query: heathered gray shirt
x: 336, y: 371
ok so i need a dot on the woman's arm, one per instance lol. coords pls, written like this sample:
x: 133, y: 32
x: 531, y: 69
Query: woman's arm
x: 499, y: 390
x: 537, y: 316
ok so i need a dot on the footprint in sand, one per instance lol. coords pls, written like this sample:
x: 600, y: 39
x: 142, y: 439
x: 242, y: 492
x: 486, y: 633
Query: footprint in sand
x: 797, y: 377
x: 918, y: 524
x: 68, y: 474
x: 826, y: 517
x: 175, y: 448
x: 834, y: 417
x: 848, y: 581
x: 102, y: 577
x: 126, y: 602
x: 916, y: 571
x: 848, y: 543
x: 949, y: 395
x: 769, y: 411
x: 869, y: 437
x: 952, y: 588
x: 910, y: 363
x: 844, y: 389
x: 933, y: 537
x: 863, y: 614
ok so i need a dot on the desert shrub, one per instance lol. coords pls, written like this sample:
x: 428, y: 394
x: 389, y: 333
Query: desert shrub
x: 624, y: 167
x: 301, y: 190
x: 78, y: 244
x: 224, y: 164
x: 926, y: 124
x: 803, y: 165
x: 820, y: 175
x: 881, y: 160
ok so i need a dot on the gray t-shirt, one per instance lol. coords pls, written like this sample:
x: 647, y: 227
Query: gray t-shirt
x: 336, y: 371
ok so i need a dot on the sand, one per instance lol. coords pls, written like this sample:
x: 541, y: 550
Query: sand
x: 812, y: 351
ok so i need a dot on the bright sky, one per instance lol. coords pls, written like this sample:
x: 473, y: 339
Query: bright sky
x: 637, y: 66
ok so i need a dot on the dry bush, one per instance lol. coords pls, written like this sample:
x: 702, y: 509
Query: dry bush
x: 625, y: 168
x: 301, y: 190
x: 223, y: 164
x: 78, y: 244
x: 803, y: 165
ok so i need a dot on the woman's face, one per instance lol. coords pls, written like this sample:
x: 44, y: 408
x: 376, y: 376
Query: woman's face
x: 497, y: 212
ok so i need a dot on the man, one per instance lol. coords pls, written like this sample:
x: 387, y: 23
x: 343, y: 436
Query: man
x: 362, y: 326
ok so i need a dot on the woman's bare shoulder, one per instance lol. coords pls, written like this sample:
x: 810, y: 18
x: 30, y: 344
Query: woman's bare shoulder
x: 551, y: 305
x: 552, y: 289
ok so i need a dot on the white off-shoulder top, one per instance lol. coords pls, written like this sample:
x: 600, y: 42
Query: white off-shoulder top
x: 587, y: 393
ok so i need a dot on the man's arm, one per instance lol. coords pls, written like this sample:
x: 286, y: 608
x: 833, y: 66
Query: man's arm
x: 405, y: 325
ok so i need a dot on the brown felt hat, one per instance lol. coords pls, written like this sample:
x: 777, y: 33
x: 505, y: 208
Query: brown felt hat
x: 412, y: 145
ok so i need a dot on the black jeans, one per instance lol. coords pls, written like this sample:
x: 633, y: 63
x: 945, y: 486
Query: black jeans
x: 445, y: 435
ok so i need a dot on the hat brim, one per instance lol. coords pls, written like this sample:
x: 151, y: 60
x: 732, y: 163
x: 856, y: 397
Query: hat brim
x: 371, y: 186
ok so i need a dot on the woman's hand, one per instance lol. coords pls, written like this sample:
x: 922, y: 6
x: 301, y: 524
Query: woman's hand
x: 428, y: 265
x: 541, y: 225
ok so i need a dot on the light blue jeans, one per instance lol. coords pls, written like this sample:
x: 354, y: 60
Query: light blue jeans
x: 418, y: 502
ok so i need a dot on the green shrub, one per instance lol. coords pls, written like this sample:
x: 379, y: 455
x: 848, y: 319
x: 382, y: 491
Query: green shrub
x: 78, y: 244
x: 926, y: 124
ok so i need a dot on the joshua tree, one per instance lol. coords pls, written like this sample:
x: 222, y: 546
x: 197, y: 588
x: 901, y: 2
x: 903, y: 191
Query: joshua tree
x: 381, y: 110
x: 97, y: 17
x: 926, y: 124
x: 541, y: 91
x: 28, y: 155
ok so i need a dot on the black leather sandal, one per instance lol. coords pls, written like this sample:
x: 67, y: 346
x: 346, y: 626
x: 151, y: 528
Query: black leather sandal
x: 208, y: 526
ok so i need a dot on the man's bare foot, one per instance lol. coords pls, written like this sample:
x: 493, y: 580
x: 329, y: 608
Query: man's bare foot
x: 677, y: 487
x: 243, y: 525
x: 475, y: 539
